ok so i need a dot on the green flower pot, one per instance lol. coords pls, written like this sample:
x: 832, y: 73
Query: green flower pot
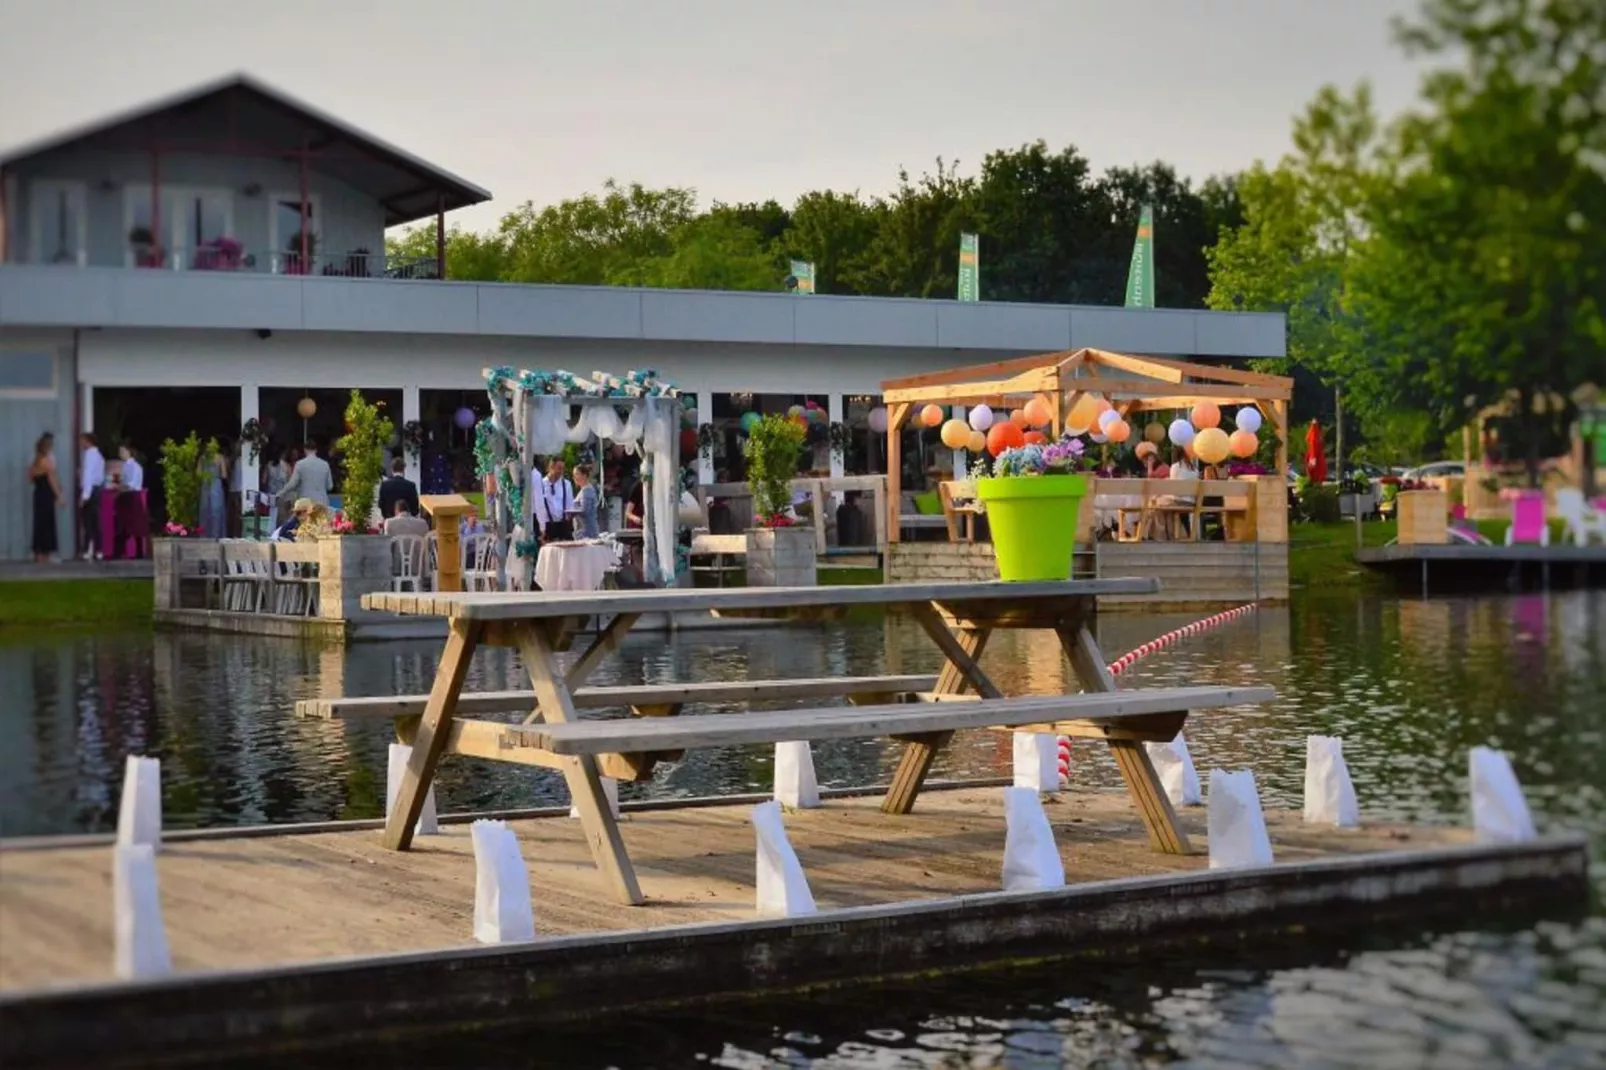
x: 1033, y: 520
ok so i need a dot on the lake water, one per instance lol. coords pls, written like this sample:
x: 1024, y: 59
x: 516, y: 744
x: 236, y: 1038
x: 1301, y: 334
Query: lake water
x: 1409, y: 684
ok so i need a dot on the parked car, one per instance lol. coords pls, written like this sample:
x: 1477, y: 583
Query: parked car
x: 1436, y: 470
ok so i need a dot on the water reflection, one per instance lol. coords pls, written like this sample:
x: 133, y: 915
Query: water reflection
x: 1411, y: 685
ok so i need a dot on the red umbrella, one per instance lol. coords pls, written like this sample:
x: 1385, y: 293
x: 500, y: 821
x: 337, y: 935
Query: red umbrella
x: 1315, y: 455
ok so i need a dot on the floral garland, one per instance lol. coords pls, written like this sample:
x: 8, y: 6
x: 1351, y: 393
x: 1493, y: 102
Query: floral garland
x: 841, y: 437
x: 253, y: 435
x: 707, y: 440
x: 413, y: 438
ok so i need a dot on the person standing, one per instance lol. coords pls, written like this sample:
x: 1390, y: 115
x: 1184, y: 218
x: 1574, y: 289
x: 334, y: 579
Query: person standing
x: 131, y: 519
x: 91, y: 474
x: 554, y: 502
x: 275, y: 474
x: 397, y: 488
x: 47, y: 497
x: 585, y: 503
x: 311, y: 479
x: 214, y: 478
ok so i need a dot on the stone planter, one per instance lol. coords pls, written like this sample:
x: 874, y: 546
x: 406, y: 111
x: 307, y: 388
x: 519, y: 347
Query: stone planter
x: 350, y: 566
x: 1424, y: 517
x: 781, y: 557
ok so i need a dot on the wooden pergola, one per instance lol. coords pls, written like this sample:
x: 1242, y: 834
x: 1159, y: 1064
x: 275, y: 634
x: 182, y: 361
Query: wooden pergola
x: 1132, y: 384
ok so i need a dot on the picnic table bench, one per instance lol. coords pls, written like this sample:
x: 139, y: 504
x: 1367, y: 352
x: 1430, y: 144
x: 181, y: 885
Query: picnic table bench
x: 958, y: 618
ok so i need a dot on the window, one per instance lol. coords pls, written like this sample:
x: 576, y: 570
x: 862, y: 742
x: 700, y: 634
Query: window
x: 58, y: 223
x: 193, y: 223
x: 284, y: 232
x: 27, y: 374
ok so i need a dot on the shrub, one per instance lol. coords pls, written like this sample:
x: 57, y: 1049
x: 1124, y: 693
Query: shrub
x: 772, y: 449
x: 1317, y: 501
x: 181, y: 478
x: 362, y: 449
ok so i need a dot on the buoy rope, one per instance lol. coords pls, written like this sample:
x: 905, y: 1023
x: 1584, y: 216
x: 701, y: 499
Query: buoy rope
x: 1125, y: 661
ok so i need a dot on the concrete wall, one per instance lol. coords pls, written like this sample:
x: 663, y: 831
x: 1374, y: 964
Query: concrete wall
x: 37, y: 394
x: 110, y: 298
x: 107, y: 181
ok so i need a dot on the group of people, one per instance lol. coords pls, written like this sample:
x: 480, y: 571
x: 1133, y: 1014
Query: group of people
x: 123, y: 477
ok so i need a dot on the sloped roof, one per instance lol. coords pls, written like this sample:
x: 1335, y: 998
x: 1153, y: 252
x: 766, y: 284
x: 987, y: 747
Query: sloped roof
x: 240, y: 113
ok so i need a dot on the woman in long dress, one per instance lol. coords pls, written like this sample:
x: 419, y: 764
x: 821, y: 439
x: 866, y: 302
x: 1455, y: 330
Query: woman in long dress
x: 214, y: 477
x: 46, y: 498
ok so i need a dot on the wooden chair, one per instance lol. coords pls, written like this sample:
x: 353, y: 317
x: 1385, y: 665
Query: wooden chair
x: 959, y: 508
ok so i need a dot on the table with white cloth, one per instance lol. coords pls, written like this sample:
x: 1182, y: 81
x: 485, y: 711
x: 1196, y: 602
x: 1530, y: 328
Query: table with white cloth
x: 574, y: 566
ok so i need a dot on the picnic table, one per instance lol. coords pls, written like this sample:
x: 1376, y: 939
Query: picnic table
x: 922, y: 712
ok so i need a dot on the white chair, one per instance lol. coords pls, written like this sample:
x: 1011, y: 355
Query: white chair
x: 407, y: 560
x: 432, y: 564
x: 1584, y: 521
x: 480, y: 563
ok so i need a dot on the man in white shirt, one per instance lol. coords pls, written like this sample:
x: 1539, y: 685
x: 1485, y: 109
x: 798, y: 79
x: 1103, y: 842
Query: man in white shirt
x: 554, y: 501
x: 129, y: 519
x: 91, y: 476
x: 133, y: 472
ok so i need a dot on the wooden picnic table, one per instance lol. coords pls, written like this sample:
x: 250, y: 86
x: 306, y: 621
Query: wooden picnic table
x: 959, y: 618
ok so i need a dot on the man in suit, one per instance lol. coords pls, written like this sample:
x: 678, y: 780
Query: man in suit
x: 397, y: 488
x: 311, y: 479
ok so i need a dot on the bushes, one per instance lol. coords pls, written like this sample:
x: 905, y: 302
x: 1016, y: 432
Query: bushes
x: 1317, y: 501
x: 362, y: 451
x: 181, y: 478
x: 771, y: 452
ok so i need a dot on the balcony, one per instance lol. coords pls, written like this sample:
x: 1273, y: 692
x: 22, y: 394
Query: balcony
x: 228, y: 255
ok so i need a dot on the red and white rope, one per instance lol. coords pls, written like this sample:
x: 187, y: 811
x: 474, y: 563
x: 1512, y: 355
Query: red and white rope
x: 1125, y: 661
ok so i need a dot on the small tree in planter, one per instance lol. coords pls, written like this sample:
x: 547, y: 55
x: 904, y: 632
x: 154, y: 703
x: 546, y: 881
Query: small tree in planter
x: 362, y: 450
x: 779, y: 554
x: 181, y: 482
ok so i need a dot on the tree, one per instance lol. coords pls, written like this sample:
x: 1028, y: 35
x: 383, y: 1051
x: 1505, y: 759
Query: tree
x: 1184, y: 226
x: 362, y: 452
x: 1046, y: 227
x: 594, y: 240
x: 915, y: 251
x: 834, y: 232
x: 713, y: 252
x: 469, y: 256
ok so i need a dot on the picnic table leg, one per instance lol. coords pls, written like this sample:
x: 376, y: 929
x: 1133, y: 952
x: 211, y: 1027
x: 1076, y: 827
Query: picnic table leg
x: 962, y: 651
x: 433, y: 730
x: 1165, y: 835
x: 556, y: 704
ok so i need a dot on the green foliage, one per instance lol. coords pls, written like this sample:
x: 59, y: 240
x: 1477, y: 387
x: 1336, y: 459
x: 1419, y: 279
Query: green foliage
x: 362, y: 453
x: 1318, y: 502
x: 181, y: 478
x: 772, y: 450
x: 1396, y: 437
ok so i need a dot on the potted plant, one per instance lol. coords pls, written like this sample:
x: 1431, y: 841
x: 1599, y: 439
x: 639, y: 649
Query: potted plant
x: 1032, y: 500
x: 779, y: 552
x: 144, y: 245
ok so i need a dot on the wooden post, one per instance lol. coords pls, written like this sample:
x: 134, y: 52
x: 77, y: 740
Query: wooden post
x: 433, y: 730
x: 1280, y: 419
x: 446, y: 510
x: 895, y: 417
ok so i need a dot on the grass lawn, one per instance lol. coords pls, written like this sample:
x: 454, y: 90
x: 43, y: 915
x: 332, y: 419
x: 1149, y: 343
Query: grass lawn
x: 1324, y: 554
x: 27, y: 604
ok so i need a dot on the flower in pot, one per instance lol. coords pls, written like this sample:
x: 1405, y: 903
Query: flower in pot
x: 1032, y: 500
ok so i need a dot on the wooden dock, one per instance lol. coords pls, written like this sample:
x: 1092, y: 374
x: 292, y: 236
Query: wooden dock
x: 1464, y: 566
x: 325, y: 937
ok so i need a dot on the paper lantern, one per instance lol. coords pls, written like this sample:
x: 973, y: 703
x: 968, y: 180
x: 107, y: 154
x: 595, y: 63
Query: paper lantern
x: 977, y: 442
x: 931, y: 415
x: 1004, y: 436
x: 751, y: 420
x: 1243, y: 443
x: 306, y: 408
x: 795, y: 410
x: 1098, y: 438
x: 1018, y: 418
x: 878, y: 420
x: 981, y: 418
x: 464, y: 418
x: 818, y: 415
x: 799, y: 419
x: 1083, y: 415
x: 1248, y: 419
x: 1146, y: 449
x: 955, y: 434
x: 1038, y: 413
x: 1035, y: 438
x: 1206, y: 414
x: 688, y: 442
x: 1155, y: 432
x: 1119, y: 431
x: 1180, y: 433
x: 1211, y: 445
x: 1106, y: 418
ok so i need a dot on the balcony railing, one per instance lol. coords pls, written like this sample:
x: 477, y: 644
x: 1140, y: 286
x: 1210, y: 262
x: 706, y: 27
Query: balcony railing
x: 228, y: 255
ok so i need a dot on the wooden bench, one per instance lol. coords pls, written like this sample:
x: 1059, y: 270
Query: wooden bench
x: 644, y: 699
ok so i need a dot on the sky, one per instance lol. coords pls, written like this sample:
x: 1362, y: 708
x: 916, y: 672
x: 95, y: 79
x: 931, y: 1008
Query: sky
x: 740, y: 100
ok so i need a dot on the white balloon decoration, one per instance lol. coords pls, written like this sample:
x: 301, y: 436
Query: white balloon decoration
x: 878, y: 420
x: 981, y: 418
x: 1181, y: 433
x: 1108, y: 417
x: 1248, y: 419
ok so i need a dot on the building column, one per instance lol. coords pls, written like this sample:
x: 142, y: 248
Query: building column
x: 705, y: 415
x: 250, y: 470
x: 837, y: 412
x: 86, y: 412
x: 410, y: 409
x: 961, y: 457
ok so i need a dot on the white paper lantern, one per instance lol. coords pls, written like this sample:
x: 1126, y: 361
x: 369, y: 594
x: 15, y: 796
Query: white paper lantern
x: 1098, y: 438
x: 878, y: 420
x: 981, y: 418
x: 1181, y: 433
x: 1106, y: 418
x: 1248, y: 419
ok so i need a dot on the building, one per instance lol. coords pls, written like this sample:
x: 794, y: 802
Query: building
x: 219, y: 257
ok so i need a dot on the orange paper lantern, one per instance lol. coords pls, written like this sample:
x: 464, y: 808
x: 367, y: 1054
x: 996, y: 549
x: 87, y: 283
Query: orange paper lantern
x: 1206, y: 414
x: 1038, y: 412
x: 931, y: 415
x: 1003, y: 437
x: 1118, y: 431
x: 1243, y: 443
x: 977, y: 442
x: 955, y: 434
x: 1035, y: 438
x: 1083, y: 415
x: 1211, y: 445
x: 1018, y: 418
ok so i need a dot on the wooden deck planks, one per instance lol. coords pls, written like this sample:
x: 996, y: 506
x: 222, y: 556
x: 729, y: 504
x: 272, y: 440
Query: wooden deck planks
x: 278, y: 899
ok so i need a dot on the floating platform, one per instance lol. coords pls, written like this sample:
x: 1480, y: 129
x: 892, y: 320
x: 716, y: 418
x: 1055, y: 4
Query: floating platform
x: 298, y: 938
x: 1464, y: 566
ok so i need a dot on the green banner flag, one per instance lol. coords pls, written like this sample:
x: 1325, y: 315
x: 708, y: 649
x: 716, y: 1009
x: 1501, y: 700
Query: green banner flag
x: 1140, y: 280
x: 802, y: 278
x: 969, y: 267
